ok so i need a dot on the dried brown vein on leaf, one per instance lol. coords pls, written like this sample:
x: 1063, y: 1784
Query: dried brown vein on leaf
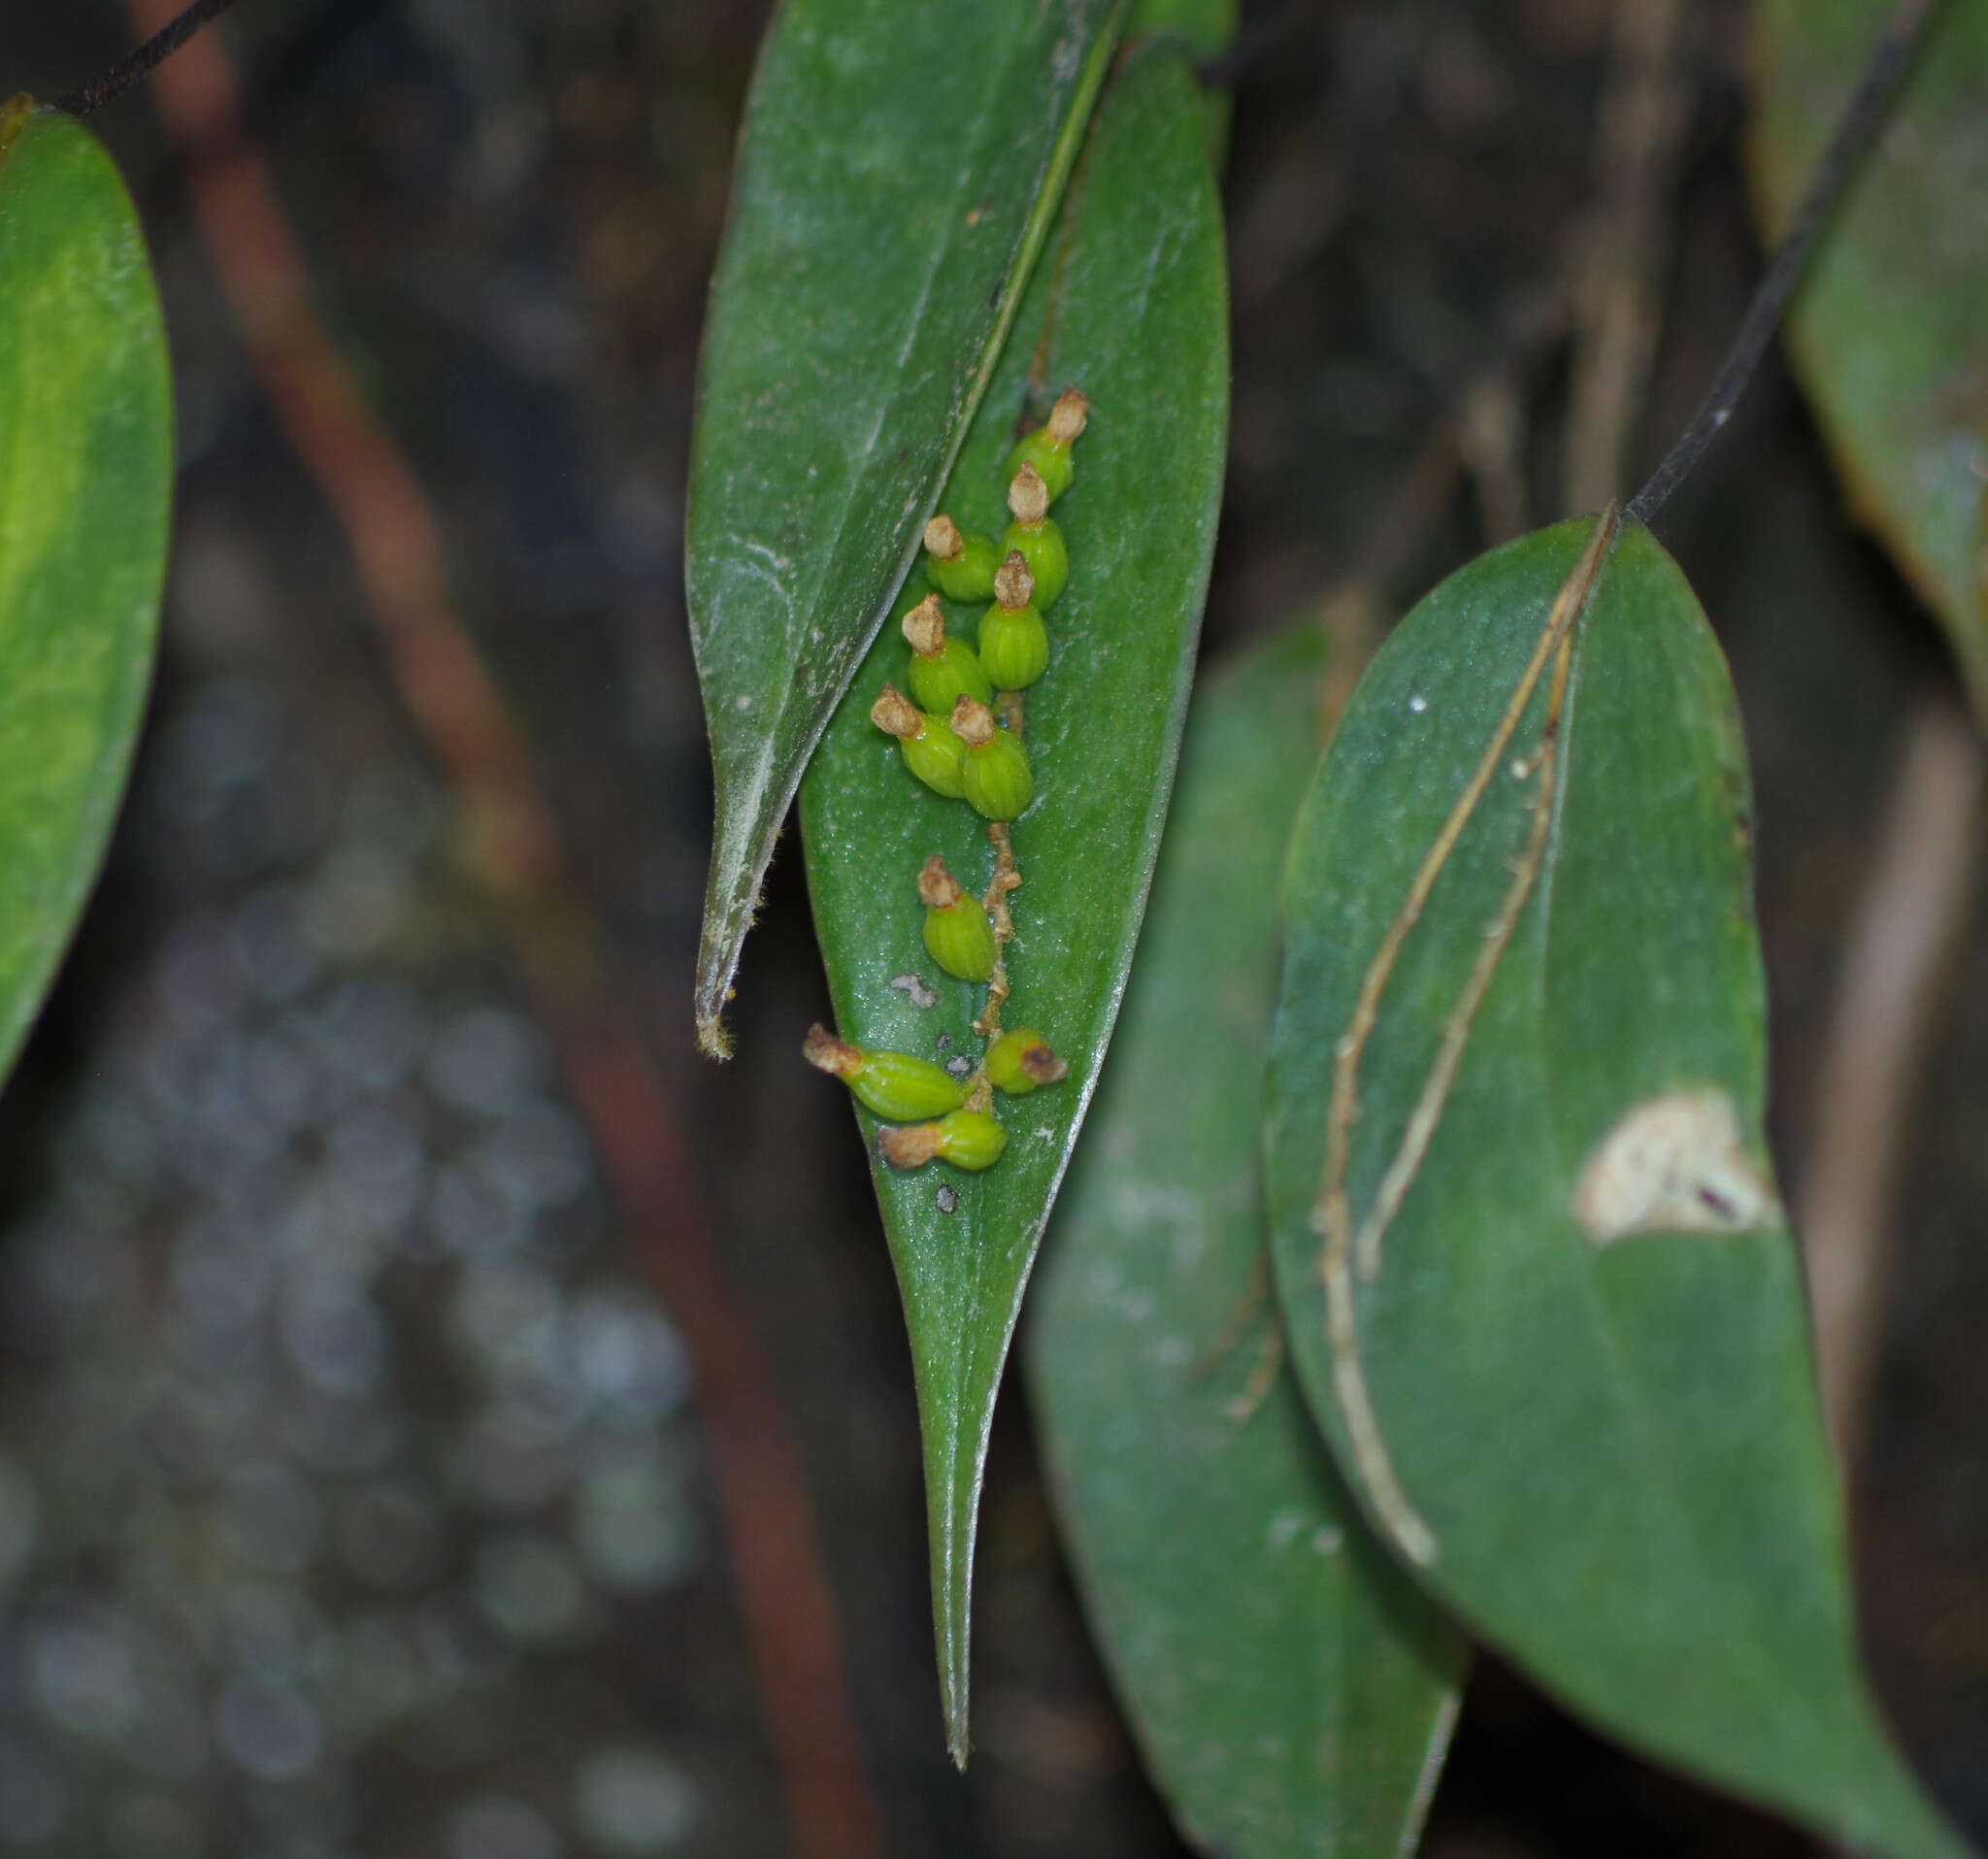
x: 1332, y: 1214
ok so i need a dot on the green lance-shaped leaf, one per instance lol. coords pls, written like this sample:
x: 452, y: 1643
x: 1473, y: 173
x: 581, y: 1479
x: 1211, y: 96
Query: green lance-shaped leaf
x: 1290, y: 1688
x: 1536, y: 1276
x: 1129, y: 306
x: 1889, y: 333
x: 85, y: 487
x: 900, y: 166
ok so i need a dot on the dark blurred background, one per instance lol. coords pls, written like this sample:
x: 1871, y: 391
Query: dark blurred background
x: 354, y: 1498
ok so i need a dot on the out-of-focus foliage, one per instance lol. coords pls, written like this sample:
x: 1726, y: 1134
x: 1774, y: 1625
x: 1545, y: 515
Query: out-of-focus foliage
x: 1890, y: 330
x: 86, y: 485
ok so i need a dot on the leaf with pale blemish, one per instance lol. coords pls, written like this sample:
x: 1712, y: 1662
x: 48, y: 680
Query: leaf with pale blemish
x: 1599, y: 1436
x: 1889, y: 333
x: 1291, y: 1691
x: 1130, y: 305
x: 899, y: 167
x: 85, y: 487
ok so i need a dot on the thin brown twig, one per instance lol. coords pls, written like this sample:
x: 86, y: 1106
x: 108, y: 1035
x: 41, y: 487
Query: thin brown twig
x: 396, y: 540
x: 1900, y: 948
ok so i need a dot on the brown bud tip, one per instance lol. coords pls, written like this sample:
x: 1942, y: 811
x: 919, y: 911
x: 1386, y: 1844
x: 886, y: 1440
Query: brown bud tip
x: 972, y: 722
x: 942, y: 538
x: 1013, y: 585
x: 911, y: 1147
x: 1028, y: 497
x: 1068, y: 416
x: 895, y: 715
x: 1044, y: 1066
x: 937, y: 890
x: 924, y: 627
x: 827, y: 1054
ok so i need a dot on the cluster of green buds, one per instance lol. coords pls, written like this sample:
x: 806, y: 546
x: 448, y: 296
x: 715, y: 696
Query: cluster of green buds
x: 953, y: 741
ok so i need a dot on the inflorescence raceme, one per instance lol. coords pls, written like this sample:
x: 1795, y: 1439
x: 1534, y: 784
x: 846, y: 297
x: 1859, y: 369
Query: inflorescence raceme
x: 960, y: 734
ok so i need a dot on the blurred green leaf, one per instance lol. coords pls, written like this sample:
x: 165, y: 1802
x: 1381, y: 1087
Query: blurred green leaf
x: 1291, y: 1690
x: 1889, y: 333
x: 899, y: 168
x: 1130, y: 305
x: 86, y: 488
x: 1585, y: 1349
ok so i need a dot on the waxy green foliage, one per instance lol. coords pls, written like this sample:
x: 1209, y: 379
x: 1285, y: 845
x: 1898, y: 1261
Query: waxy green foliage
x: 1593, y: 1417
x: 1889, y: 333
x: 86, y: 488
x: 1129, y: 305
x: 899, y: 168
x: 1291, y: 1690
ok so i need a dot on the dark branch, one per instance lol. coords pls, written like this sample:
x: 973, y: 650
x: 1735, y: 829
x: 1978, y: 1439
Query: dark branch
x: 1854, y: 132
x: 143, y: 62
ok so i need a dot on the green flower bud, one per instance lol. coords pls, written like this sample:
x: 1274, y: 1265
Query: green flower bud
x: 1048, y: 448
x: 1014, y: 644
x: 893, y: 1084
x: 961, y: 565
x: 931, y: 750
x: 994, y: 774
x: 1018, y: 1061
x: 957, y: 934
x: 1034, y: 537
x: 967, y: 1138
x: 941, y: 667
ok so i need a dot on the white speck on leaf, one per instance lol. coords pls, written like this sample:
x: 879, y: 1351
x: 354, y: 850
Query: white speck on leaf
x: 912, y: 987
